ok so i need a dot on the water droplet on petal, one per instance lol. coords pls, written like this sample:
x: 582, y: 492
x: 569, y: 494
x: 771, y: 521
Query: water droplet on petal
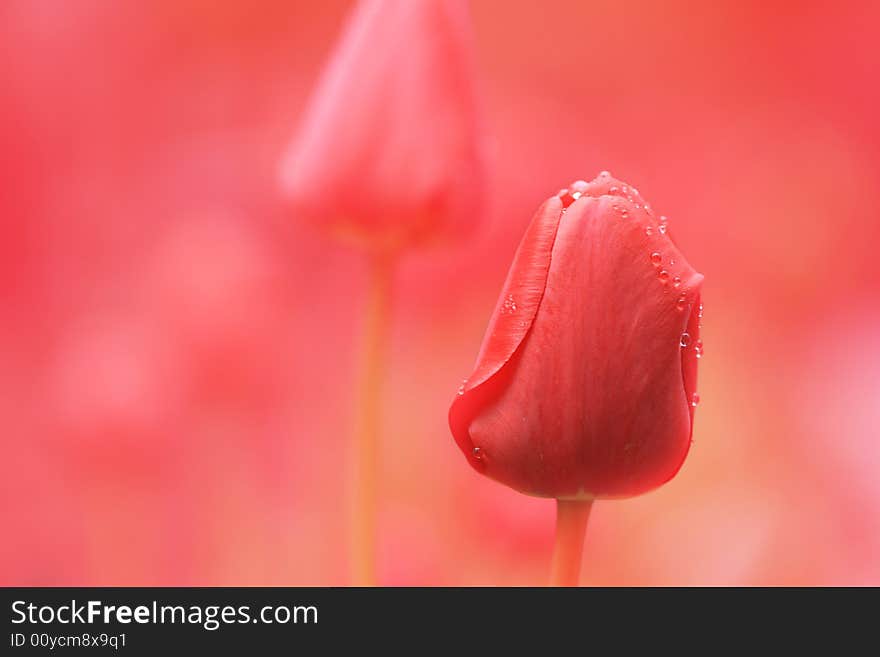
x: 663, y: 219
x: 619, y: 209
x: 613, y: 189
x: 662, y: 229
x: 649, y: 231
x: 663, y: 276
x: 698, y: 348
x: 604, y: 174
x: 695, y: 399
x: 576, y: 195
x: 676, y: 282
x: 478, y: 453
x: 579, y: 186
x: 656, y: 259
x: 680, y: 303
x: 685, y: 340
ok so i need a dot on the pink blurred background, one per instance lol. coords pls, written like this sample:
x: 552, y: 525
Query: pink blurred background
x: 176, y: 348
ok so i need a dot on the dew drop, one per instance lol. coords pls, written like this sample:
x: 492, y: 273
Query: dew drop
x: 604, y: 174
x: 478, y: 453
x: 656, y: 259
x: 613, y: 189
x: 576, y: 195
x: 649, y: 231
x: 695, y: 399
x: 698, y: 348
x: 663, y: 276
x: 579, y: 186
x: 662, y: 229
x: 676, y: 282
x: 700, y: 311
x: 680, y: 303
x: 663, y: 219
x: 685, y: 340
x: 509, y: 305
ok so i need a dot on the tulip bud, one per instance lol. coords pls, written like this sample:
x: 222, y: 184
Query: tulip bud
x: 585, y: 386
x: 388, y: 153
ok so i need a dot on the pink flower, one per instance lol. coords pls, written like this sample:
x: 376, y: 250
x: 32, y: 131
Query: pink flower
x: 388, y: 153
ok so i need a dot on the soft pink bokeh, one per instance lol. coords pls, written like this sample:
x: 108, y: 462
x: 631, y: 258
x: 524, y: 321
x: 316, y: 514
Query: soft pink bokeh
x: 176, y: 348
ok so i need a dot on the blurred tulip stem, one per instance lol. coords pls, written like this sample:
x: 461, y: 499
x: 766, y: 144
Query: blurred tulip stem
x: 571, y: 528
x: 371, y: 374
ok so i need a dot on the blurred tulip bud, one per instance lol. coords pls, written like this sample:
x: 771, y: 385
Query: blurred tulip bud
x: 585, y: 386
x: 388, y: 153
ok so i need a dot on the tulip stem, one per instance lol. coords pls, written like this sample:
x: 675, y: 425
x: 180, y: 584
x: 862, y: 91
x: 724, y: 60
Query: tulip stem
x: 571, y: 527
x: 371, y: 372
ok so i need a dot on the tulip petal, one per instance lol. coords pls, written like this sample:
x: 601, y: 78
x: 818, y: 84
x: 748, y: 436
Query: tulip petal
x: 510, y: 323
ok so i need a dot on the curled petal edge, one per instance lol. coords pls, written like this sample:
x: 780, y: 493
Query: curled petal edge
x: 511, y: 322
x: 688, y: 365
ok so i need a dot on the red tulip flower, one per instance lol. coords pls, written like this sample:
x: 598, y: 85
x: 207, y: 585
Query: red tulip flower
x: 389, y: 152
x: 585, y: 386
x: 388, y: 156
